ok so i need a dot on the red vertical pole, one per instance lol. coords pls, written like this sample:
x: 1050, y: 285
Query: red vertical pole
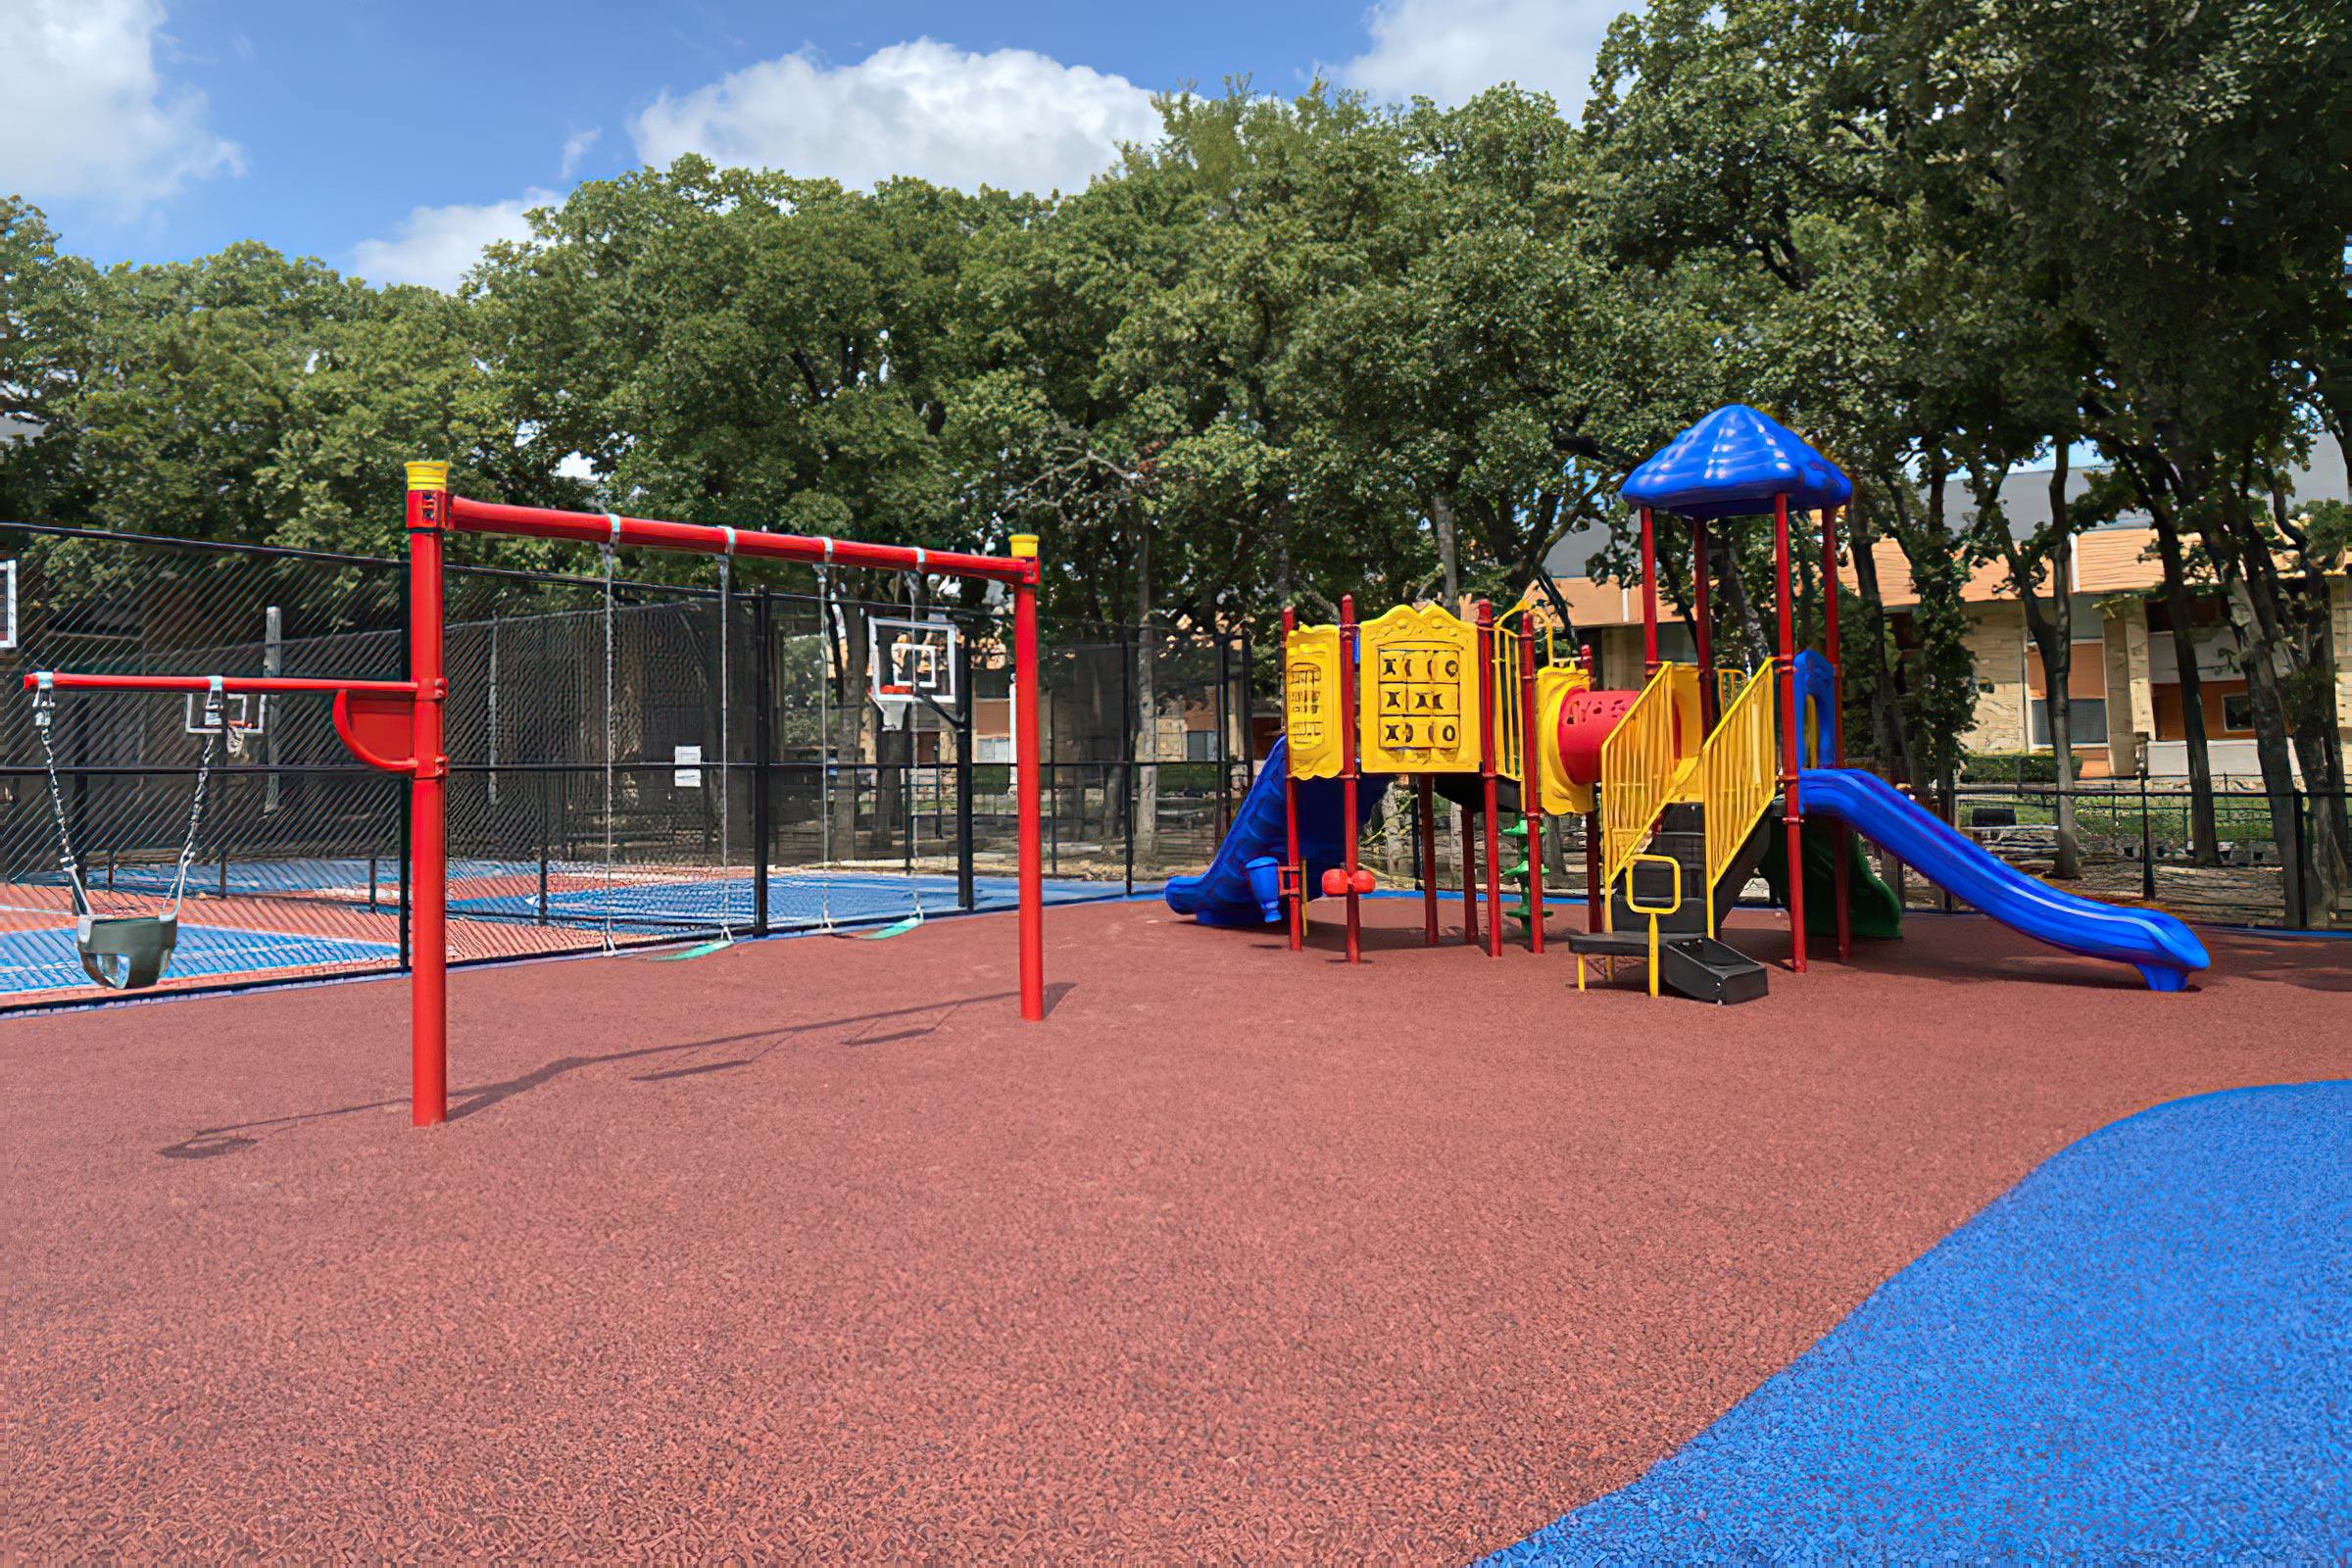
x: 1702, y: 630
x: 1429, y: 854
x: 1792, y: 808
x: 1487, y: 777
x: 1024, y: 759
x: 1837, y: 718
x: 1649, y: 595
x: 1348, y: 787
x: 428, y: 804
x: 1592, y: 905
x: 1293, y: 870
x: 1531, y: 794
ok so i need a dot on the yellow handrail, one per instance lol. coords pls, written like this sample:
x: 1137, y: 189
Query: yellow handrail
x: 1510, y: 745
x: 1637, y: 763
x: 1738, y: 774
x: 1655, y: 911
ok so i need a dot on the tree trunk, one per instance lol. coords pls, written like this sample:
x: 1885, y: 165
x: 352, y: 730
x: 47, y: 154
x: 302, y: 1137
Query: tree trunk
x: 1147, y: 706
x: 2205, y: 845
x: 1441, y: 518
x: 1886, y: 713
x: 2053, y: 634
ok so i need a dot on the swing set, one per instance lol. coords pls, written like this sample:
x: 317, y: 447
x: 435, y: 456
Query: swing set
x: 397, y: 728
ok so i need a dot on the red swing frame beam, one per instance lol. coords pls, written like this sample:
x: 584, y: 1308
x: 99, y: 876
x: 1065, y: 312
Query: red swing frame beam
x: 396, y: 725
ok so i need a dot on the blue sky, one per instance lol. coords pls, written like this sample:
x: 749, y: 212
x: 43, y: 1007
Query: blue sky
x: 394, y: 137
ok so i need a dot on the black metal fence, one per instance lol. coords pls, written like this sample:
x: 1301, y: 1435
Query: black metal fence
x: 630, y: 762
x: 638, y: 762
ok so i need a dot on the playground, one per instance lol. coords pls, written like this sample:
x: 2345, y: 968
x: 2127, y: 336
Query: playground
x: 1275, y: 1214
x: 1241, y: 1253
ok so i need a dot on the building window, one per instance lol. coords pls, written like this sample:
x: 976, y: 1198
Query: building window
x: 2237, y: 713
x: 2087, y: 718
x: 1199, y: 745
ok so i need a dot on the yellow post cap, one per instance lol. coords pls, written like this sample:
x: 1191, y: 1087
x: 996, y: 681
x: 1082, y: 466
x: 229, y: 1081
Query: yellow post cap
x: 428, y: 476
x: 1024, y: 546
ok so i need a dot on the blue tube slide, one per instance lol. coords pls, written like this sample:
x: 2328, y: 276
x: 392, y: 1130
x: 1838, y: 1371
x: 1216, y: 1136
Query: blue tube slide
x: 2161, y: 948
x: 1240, y: 886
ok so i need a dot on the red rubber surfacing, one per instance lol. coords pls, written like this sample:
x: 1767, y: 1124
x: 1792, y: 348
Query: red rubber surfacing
x: 811, y: 1248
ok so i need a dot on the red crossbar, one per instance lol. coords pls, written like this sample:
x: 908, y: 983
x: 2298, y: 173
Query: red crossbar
x: 598, y: 528
x: 264, y: 685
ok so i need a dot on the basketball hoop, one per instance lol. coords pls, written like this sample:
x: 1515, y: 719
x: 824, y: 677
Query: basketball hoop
x: 912, y: 663
x: 234, y: 717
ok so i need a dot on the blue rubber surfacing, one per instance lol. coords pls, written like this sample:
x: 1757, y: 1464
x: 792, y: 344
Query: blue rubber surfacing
x: 2141, y: 1352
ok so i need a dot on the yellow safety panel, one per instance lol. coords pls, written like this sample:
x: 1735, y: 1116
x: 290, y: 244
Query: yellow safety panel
x: 1557, y: 792
x: 1418, y: 710
x: 1311, y: 717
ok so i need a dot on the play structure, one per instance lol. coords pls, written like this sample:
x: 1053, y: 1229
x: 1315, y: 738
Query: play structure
x: 397, y: 728
x: 1690, y: 787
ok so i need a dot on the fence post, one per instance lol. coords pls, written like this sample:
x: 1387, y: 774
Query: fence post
x: 763, y: 744
x: 1127, y: 721
x: 1223, y: 709
x: 2147, y: 846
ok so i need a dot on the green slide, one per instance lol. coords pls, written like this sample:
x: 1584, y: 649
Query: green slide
x: 1874, y: 909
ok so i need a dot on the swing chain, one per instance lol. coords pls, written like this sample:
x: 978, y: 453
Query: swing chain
x: 213, y: 724
x: 44, y: 709
x: 44, y: 713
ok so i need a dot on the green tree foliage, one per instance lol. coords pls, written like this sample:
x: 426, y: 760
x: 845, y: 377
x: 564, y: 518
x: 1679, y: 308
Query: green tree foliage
x: 1299, y: 347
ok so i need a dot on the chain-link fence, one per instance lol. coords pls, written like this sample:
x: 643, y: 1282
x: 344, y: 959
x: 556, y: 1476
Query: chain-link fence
x: 630, y: 762
x: 636, y: 762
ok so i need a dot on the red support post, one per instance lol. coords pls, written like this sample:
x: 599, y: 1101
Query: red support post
x: 1348, y: 683
x: 1702, y: 630
x: 1429, y: 854
x: 1593, y: 920
x: 1793, y: 810
x: 1531, y: 795
x: 1649, y: 595
x: 1026, y: 790
x: 1294, y: 869
x: 1836, y: 719
x: 429, y: 802
x: 1486, y: 776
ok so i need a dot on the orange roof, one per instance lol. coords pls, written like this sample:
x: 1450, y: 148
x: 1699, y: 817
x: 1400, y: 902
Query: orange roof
x: 2109, y: 561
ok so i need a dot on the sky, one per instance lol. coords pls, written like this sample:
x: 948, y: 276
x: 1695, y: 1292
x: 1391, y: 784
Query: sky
x: 394, y: 138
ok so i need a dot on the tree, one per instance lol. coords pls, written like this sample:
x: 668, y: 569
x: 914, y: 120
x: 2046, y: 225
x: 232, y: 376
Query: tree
x: 46, y: 313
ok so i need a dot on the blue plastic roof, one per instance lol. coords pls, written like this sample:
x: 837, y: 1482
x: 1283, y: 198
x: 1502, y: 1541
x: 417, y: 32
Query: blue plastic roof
x: 1732, y: 463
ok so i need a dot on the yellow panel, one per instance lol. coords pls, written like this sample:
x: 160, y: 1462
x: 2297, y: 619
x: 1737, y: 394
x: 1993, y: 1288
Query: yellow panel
x: 1559, y: 794
x: 1418, y: 710
x: 1311, y: 717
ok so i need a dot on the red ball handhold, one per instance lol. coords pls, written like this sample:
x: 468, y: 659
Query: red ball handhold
x: 1363, y: 881
x: 1335, y: 882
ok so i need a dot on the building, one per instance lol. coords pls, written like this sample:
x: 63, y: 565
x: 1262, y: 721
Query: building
x: 2128, y: 717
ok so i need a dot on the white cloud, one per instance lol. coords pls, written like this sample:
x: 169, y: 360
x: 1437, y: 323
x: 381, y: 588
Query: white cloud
x: 575, y: 148
x: 89, y: 116
x: 1451, y: 50
x: 435, y: 245
x: 1013, y: 118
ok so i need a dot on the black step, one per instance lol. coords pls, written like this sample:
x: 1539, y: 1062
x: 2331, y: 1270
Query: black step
x: 1694, y: 966
x: 1707, y: 970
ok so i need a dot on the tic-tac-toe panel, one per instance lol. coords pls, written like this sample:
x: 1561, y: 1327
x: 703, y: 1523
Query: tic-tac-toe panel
x: 1417, y: 705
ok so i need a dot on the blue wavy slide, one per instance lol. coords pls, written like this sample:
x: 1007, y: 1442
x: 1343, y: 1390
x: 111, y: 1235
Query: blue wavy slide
x: 2161, y: 948
x: 1242, y: 886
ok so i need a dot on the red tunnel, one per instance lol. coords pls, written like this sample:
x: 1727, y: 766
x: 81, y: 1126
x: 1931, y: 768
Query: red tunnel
x: 1586, y: 719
